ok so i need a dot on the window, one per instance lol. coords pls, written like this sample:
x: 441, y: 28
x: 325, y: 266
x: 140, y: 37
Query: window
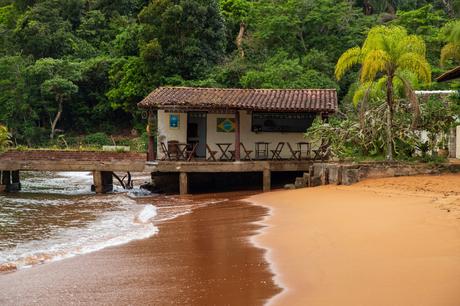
x: 282, y: 122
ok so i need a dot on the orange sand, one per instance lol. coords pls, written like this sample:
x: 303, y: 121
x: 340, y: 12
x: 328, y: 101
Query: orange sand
x: 381, y: 242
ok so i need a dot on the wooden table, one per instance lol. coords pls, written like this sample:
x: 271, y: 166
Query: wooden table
x: 261, y: 149
x: 224, y: 147
x: 307, y: 149
x: 181, y: 151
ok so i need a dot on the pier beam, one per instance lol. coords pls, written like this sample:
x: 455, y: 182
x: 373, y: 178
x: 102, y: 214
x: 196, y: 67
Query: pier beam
x: 102, y: 181
x: 183, y: 183
x: 267, y: 180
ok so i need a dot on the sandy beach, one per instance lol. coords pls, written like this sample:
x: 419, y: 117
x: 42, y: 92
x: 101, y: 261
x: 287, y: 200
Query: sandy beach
x: 381, y: 242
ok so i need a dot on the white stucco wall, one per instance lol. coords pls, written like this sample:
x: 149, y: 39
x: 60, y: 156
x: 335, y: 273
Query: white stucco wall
x: 165, y: 133
x: 248, y: 138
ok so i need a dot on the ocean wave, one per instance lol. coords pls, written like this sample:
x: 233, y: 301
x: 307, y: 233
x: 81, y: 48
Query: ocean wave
x: 127, y: 223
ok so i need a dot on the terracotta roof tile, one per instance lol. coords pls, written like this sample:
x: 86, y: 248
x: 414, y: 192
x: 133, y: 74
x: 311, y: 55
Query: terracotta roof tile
x: 320, y: 100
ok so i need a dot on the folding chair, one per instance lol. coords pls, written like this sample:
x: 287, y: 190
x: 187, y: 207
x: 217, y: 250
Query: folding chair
x: 323, y: 151
x: 247, y: 153
x: 212, y: 154
x: 276, y: 153
x: 166, y: 155
x: 191, y: 153
x: 295, y: 153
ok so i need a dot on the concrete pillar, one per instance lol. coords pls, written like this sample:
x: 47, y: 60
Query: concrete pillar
x: 267, y: 180
x: 152, y: 130
x: 102, y: 181
x: 183, y: 183
x: 5, y: 180
x: 15, y: 181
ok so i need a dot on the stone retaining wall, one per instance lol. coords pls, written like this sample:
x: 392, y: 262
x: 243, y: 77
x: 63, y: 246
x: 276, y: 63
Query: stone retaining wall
x: 351, y: 173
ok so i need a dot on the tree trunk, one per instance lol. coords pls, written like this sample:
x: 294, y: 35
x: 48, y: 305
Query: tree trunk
x: 239, y: 39
x: 390, y: 105
x: 56, y: 118
x: 449, y: 8
x: 367, y: 8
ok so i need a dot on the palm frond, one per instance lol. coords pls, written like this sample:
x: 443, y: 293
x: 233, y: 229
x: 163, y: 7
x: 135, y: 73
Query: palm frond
x: 414, y: 44
x: 348, y: 59
x: 416, y: 64
x: 374, y: 62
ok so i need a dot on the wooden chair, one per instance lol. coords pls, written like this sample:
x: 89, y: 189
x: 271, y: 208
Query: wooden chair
x: 212, y: 154
x: 191, y: 153
x: 276, y: 153
x: 247, y: 153
x: 324, y: 151
x: 295, y: 153
x: 166, y: 155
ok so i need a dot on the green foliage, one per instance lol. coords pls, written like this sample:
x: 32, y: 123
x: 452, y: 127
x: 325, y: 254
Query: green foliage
x: 98, y: 139
x: 98, y: 59
x: 5, y: 137
x: 184, y: 37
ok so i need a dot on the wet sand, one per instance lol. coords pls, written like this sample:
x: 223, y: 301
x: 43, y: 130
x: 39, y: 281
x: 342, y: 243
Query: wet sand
x: 202, y: 258
x: 381, y: 242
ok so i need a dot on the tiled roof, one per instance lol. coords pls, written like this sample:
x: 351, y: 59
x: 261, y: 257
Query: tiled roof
x: 315, y: 100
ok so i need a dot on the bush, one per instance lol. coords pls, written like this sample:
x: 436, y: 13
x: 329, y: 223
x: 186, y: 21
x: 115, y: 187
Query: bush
x: 4, y: 138
x: 98, y: 139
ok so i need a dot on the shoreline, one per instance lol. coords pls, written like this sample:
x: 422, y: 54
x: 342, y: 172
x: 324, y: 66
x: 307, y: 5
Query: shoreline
x: 199, y: 258
x: 343, y: 253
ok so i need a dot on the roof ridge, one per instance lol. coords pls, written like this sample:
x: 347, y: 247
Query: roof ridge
x: 247, y: 89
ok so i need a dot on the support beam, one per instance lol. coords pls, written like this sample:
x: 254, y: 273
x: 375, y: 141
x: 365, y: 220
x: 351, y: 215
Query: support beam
x: 267, y: 180
x: 237, y: 136
x: 102, y: 182
x: 183, y: 183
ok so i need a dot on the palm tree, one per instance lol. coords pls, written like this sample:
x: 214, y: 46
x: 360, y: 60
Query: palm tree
x: 451, y: 34
x: 387, y: 55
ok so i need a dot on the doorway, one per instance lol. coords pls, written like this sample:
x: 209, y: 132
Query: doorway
x: 196, y: 132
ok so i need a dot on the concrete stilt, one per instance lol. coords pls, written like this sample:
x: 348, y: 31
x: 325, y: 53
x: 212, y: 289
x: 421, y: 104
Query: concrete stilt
x: 267, y: 180
x: 102, y: 181
x: 183, y: 183
x: 4, y: 180
x: 15, y: 181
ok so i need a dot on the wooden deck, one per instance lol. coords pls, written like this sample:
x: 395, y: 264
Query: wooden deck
x: 103, y: 164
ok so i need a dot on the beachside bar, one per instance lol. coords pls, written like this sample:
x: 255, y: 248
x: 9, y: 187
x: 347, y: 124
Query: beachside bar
x: 234, y: 130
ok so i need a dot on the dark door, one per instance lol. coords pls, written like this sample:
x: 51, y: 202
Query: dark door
x: 196, y: 132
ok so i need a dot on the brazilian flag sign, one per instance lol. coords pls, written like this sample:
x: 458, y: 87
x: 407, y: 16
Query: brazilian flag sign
x: 226, y: 125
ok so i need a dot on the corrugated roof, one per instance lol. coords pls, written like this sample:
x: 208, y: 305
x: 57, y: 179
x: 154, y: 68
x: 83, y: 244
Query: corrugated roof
x: 315, y: 100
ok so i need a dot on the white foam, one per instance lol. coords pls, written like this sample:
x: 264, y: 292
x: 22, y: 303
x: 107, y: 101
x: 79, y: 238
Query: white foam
x: 148, y: 213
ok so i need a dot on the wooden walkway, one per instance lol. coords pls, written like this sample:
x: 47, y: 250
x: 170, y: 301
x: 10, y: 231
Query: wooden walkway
x: 47, y: 160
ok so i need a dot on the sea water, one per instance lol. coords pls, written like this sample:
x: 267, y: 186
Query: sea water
x: 56, y: 216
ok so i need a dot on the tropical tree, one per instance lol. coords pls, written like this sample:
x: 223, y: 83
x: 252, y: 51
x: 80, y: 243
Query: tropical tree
x: 387, y: 56
x: 451, y: 34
